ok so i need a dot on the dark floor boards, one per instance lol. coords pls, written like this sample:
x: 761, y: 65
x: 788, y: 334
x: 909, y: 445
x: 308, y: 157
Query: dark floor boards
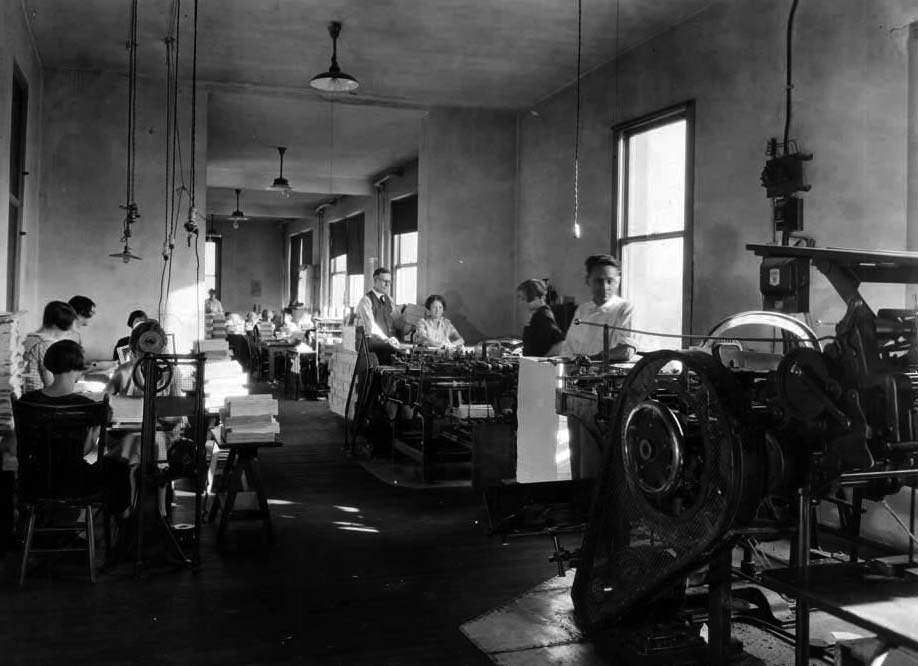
x: 319, y: 595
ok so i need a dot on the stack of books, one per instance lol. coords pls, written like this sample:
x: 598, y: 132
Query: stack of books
x: 223, y: 378
x: 250, y: 418
x: 215, y: 325
x: 10, y: 382
x: 265, y: 330
x: 213, y: 349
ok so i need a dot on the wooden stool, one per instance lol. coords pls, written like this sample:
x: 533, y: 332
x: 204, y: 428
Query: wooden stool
x: 242, y: 459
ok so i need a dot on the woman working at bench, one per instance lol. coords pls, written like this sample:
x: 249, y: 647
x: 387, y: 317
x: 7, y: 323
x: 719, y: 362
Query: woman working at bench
x: 64, y: 360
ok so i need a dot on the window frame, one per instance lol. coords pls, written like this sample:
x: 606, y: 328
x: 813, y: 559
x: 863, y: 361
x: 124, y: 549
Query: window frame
x: 396, y: 266
x: 19, y: 91
x: 621, y: 132
x: 394, y: 243
x: 300, y: 270
x: 217, y: 240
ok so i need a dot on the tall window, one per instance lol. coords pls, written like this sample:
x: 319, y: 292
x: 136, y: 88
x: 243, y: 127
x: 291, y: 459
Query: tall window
x: 405, y: 249
x: 653, y: 211
x: 345, y: 239
x: 212, y: 247
x: 20, y: 106
x: 300, y: 274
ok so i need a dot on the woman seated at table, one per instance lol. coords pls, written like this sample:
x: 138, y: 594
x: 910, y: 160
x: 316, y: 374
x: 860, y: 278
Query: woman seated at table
x: 122, y: 384
x: 251, y: 318
x: 65, y: 361
x: 435, y: 330
x: 56, y: 323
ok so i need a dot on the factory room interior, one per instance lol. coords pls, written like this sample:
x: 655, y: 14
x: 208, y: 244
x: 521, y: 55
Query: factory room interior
x: 468, y: 332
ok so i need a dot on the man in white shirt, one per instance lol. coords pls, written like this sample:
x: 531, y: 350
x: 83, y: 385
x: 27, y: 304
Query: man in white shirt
x: 376, y: 314
x: 603, y: 276
x: 607, y: 307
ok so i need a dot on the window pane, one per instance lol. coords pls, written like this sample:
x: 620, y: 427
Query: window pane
x: 652, y: 281
x: 210, y: 257
x: 656, y: 180
x: 302, y: 294
x: 354, y: 289
x: 406, y: 251
x: 406, y: 284
x: 339, y: 264
x: 338, y: 291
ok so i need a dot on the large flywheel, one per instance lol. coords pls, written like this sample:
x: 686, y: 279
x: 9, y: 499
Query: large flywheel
x: 677, y: 475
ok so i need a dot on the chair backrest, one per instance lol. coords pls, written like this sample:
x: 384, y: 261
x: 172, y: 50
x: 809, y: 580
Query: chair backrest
x: 50, y: 446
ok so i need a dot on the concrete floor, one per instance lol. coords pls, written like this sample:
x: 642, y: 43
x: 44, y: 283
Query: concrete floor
x: 360, y: 573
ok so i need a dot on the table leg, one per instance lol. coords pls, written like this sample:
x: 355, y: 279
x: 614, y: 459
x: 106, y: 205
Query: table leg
x: 802, y: 562
x: 223, y: 485
x: 254, y: 476
x: 235, y: 484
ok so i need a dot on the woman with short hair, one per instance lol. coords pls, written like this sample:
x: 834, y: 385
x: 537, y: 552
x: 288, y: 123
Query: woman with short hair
x: 56, y: 324
x: 541, y: 336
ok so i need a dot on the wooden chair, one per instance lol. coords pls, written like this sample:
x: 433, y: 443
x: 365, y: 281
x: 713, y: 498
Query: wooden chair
x: 53, y: 473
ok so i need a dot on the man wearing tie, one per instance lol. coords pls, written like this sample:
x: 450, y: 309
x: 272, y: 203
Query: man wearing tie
x: 376, y: 314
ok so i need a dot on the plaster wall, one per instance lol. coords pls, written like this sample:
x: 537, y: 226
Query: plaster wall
x: 253, y: 265
x: 17, y: 49
x: 466, y: 217
x: 83, y: 178
x: 849, y: 110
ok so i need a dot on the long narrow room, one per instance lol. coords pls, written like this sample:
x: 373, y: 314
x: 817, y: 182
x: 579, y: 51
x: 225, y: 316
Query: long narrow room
x: 488, y: 331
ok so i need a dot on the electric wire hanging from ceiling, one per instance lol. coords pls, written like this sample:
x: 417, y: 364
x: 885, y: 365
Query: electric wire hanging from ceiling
x: 173, y: 156
x: 576, y: 226
x: 131, y: 214
x: 191, y: 226
x: 788, y: 85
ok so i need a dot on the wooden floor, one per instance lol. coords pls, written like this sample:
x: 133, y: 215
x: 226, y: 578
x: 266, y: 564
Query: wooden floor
x: 389, y: 583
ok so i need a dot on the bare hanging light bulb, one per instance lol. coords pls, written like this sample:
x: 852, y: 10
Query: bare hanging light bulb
x: 576, y: 226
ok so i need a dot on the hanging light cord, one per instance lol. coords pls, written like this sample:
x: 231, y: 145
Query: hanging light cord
x: 577, y: 126
x: 130, y: 206
x: 194, y: 104
x: 194, y: 101
x: 788, y: 84
x: 173, y: 156
x: 331, y: 155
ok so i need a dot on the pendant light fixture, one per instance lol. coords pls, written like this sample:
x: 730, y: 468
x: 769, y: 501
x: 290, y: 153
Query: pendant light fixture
x: 576, y: 226
x: 334, y: 80
x: 237, y: 215
x: 280, y: 183
x: 131, y: 212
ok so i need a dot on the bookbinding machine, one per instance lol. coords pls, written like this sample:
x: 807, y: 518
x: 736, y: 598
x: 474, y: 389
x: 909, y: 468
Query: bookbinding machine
x: 720, y: 447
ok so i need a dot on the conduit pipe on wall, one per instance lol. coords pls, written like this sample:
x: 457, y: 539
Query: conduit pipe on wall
x: 911, y: 206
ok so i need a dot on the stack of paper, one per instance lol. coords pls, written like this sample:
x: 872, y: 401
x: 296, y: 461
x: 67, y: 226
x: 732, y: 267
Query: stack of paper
x: 218, y: 349
x: 223, y: 379
x: 265, y: 330
x: 250, y: 419
x: 215, y: 325
x: 10, y: 383
x: 126, y: 410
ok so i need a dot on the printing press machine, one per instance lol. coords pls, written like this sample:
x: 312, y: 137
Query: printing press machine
x: 716, y: 460
x: 453, y: 412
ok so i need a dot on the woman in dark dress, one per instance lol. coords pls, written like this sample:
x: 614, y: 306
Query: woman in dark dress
x: 65, y: 361
x: 541, y: 336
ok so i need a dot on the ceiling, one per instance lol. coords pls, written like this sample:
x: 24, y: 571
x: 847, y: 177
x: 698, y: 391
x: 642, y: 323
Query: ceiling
x: 256, y: 58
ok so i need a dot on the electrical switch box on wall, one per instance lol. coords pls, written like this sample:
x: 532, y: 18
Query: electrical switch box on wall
x: 785, y: 284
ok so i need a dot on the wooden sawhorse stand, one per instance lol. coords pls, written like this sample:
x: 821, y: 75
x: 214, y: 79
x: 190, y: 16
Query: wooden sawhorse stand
x: 242, y: 459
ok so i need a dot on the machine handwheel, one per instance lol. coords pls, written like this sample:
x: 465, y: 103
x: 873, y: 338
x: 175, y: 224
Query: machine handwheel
x: 162, y: 373
x: 677, y: 437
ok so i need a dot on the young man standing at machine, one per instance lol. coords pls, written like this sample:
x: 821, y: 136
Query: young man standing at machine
x: 603, y: 276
